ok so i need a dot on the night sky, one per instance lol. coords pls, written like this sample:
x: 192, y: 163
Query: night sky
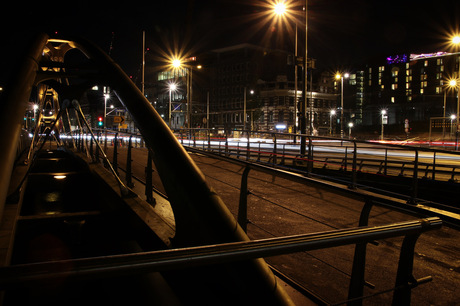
x: 342, y: 34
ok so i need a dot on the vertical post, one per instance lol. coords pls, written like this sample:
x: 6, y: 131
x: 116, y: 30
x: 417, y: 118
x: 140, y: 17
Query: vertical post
x: 226, y: 143
x: 115, y: 153
x: 243, y: 204
x: 303, y: 109
x: 310, y: 155
x: 433, y: 177
x: 296, y: 78
x: 354, y: 166
x: 404, y: 277
x: 274, y: 149
x: 129, y: 175
x: 244, y: 110
x: 148, y: 179
x: 91, y: 148
x: 356, y: 287
x: 97, y: 147
x: 207, y: 110
x: 386, y: 162
x: 412, y: 200
x: 143, y: 61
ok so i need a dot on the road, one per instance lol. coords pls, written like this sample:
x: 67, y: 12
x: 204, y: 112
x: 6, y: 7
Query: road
x: 277, y: 207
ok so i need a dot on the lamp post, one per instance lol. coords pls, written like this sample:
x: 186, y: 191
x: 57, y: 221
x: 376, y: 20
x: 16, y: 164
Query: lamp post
x: 172, y: 87
x: 383, y: 113
x: 350, y: 125
x: 280, y: 10
x: 330, y: 120
x: 340, y: 77
x: 106, y: 97
x: 456, y: 42
x: 455, y: 84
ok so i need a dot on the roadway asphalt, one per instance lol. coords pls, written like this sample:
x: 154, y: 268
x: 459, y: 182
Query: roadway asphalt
x: 278, y: 207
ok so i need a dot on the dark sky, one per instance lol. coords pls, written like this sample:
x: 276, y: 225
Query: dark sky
x: 341, y: 33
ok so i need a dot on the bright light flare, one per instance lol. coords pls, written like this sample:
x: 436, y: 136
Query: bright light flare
x: 456, y: 40
x: 275, y: 18
x: 453, y: 83
x: 280, y: 8
x: 176, y: 63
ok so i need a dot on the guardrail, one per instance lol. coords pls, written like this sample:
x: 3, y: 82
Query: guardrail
x: 157, y: 261
x: 352, y: 157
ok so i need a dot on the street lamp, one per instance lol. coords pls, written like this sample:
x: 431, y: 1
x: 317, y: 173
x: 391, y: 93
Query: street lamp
x: 340, y: 77
x: 281, y: 12
x: 383, y: 113
x: 176, y: 63
x: 172, y: 87
x: 350, y: 125
x: 280, y: 8
x: 333, y: 112
x: 106, y: 97
x: 452, y: 118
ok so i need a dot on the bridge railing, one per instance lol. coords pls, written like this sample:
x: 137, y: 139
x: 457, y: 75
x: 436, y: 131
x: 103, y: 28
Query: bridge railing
x: 158, y: 261
x: 352, y: 157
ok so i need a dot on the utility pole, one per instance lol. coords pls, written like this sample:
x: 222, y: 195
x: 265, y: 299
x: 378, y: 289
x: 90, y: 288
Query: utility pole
x: 303, y: 108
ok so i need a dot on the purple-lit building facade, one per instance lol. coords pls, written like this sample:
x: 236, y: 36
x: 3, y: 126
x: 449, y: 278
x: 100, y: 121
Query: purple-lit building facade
x: 407, y: 86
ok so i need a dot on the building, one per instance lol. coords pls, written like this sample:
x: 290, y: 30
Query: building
x: 259, y: 83
x: 409, y: 87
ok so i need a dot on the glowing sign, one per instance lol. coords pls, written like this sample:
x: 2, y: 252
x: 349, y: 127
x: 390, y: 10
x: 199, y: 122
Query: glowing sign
x: 395, y: 59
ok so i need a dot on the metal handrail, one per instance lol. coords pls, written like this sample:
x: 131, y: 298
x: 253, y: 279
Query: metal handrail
x: 157, y: 261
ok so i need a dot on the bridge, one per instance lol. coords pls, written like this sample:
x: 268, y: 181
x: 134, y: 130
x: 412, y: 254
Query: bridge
x: 80, y: 222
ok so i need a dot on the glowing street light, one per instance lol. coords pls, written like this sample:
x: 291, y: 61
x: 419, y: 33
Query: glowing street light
x: 350, y: 125
x: 456, y: 40
x: 333, y: 112
x: 340, y: 77
x: 280, y: 8
x: 176, y: 63
x: 172, y: 87
x: 383, y: 112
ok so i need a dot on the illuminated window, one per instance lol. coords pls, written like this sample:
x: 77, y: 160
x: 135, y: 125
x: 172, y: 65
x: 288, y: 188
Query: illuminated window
x: 421, y: 91
x: 392, y: 99
x: 438, y: 89
x: 394, y: 86
x: 425, y: 63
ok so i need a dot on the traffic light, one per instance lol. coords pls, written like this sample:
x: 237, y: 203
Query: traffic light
x: 100, y: 121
